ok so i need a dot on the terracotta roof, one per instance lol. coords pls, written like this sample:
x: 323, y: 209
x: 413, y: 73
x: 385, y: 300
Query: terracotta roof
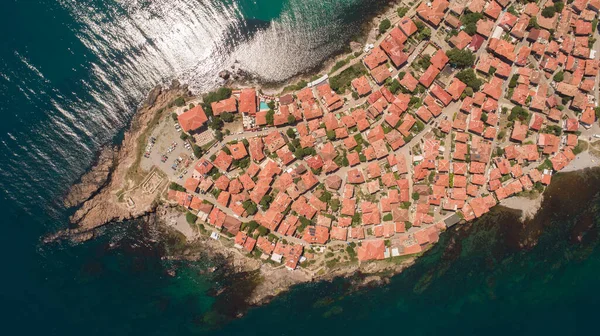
x: 192, y: 119
x: 248, y: 101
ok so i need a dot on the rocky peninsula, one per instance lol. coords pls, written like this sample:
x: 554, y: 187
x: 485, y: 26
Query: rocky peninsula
x: 442, y: 115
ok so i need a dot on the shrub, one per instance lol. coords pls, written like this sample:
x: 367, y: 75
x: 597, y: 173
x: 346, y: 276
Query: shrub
x: 176, y: 186
x: 338, y: 65
x: 174, y: 116
x: 296, y: 87
x: 179, y: 101
x: 341, y: 82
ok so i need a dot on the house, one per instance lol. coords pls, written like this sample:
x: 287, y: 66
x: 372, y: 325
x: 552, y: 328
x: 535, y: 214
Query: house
x: 429, y: 76
x: 371, y: 250
x: 407, y: 26
x: 192, y: 119
x: 226, y: 105
x: 461, y: 40
x: 248, y: 101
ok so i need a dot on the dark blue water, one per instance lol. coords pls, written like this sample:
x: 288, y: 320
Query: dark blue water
x: 71, y: 74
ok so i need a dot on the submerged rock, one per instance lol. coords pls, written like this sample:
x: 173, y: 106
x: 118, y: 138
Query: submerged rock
x: 225, y: 74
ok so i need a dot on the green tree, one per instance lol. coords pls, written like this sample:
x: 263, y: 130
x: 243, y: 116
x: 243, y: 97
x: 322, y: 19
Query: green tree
x: 290, y: 133
x: 425, y: 34
x: 299, y: 153
x: 197, y: 151
x: 461, y: 58
x: 384, y: 25
x: 559, y: 76
x: 291, y: 119
x: 309, y: 151
x: 214, y: 96
x: 227, y: 117
x: 519, y: 113
x: 250, y: 208
x: 262, y: 231
x: 191, y: 218
x: 216, y: 123
x: 270, y: 117
x: 469, y: 20
x: 415, y: 196
x: 548, y: 12
x: 330, y: 135
x: 394, y: 86
x: 424, y: 62
x: 174, y: 116
x: 533, y: 23
x: 218, y: 135
x: 469, y: 77
x: 514, y: 80
x: 402, y: 11
x: 334, y: 204
x: 420, y: 25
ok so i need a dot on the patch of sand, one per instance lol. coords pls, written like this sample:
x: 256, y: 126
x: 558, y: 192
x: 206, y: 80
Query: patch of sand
x: 177, y: 221
x: 528, y: 206
x: 582, y: 160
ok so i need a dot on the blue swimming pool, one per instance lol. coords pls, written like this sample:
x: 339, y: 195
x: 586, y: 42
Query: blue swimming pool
x: 263, y: 106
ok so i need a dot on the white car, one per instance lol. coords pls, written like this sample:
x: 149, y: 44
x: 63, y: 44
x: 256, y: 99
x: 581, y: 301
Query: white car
x: 596, y: 135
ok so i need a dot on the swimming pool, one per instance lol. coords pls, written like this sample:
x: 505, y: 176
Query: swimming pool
x: 263, y: 106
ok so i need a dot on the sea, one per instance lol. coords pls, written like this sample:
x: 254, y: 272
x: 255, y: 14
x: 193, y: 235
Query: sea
x: 72, y: 73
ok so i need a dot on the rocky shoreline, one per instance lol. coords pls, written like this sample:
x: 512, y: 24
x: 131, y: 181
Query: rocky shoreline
x: 95, y: 193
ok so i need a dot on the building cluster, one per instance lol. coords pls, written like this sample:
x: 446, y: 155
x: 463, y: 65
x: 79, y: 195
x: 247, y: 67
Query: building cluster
x: 390, y: 170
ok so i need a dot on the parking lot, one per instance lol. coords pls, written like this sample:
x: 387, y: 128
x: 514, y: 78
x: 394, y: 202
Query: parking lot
x: 168, y: 152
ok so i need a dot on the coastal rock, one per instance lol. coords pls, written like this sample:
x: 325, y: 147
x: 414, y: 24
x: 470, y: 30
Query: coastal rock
x: 355, y: 46
x: 100, y: 193
x: 93, y: 180
x: 224, y: 74
x: 154, y: 93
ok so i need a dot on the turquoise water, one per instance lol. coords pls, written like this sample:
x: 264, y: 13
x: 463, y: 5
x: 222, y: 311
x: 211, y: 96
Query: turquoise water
x: 71, y: 74
x: 263, y: 106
